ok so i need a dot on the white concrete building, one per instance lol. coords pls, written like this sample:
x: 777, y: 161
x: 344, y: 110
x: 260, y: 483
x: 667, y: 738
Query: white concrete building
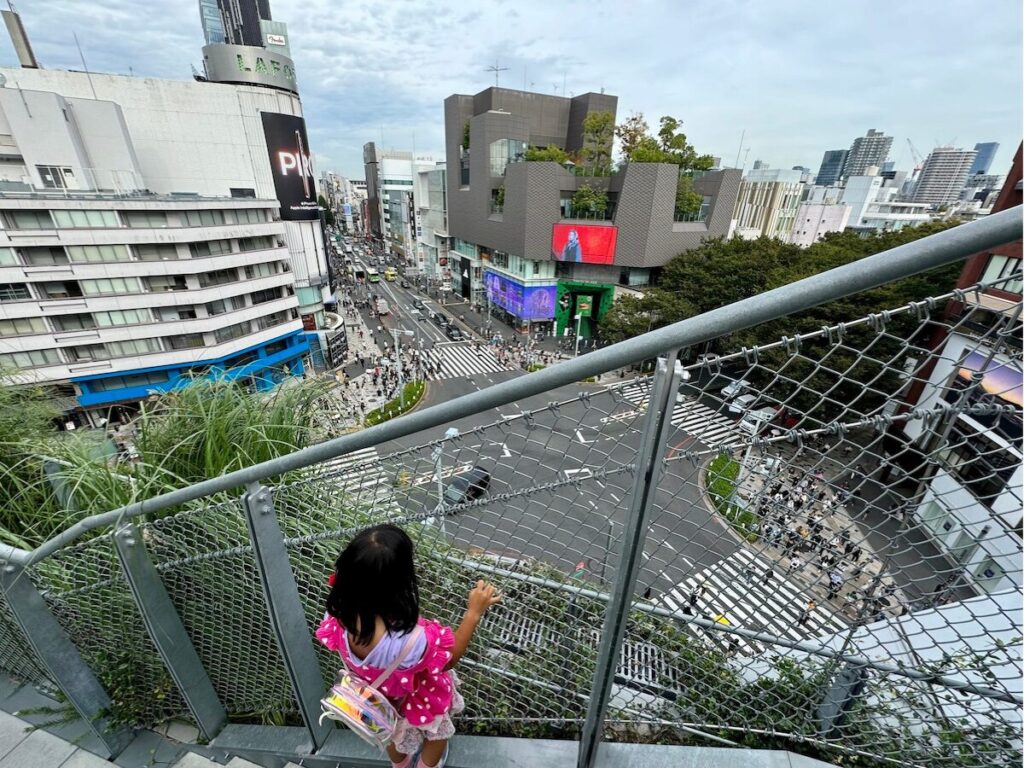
x: 943, y: 175
x: 767, y: 203
x: 815, y: 220
x: 432, y: 240
x: 188, y: 137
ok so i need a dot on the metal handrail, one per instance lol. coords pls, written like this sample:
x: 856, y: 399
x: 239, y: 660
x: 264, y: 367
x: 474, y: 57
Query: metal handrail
x: 866, y: 273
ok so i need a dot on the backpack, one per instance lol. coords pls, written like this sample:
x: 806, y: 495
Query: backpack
x: 359, y: 705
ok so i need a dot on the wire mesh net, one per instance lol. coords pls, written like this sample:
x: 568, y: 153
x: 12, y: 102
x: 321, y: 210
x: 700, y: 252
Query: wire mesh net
x: 830, y: 563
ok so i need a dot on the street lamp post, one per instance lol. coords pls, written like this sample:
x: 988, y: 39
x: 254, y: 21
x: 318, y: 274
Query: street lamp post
x: 438, y: 454
x: 579, y: 323
x: 398, y: 364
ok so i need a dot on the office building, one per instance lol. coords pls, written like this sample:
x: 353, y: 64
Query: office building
x: 831, y: 168
x: 518, y: 243
x: 433, y: 243
x: 815, y: 220
x: 969, y: 493
x: 112, y: 286
x: 242, y: 21
x: 390, y: 181
x: 943, y: 175
x: 983, y: 160
x: 767, y: 203
x: 866, y: 151
x: 213, y: 22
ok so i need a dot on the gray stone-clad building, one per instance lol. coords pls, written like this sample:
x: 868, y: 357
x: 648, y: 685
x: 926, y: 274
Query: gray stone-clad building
x: 509, y: 218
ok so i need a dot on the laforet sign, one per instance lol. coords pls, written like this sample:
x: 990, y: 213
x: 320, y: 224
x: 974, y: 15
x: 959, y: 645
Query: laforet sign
x: 249, y: 64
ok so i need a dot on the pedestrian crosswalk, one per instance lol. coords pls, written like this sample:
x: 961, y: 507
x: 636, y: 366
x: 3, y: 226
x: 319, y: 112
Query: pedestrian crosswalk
x: 463, y: 359
x: 692, y: 417
x: 363, y: 478
x: 744, y: 590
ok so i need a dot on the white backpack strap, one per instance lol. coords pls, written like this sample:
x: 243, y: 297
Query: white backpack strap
x: 410, y: 641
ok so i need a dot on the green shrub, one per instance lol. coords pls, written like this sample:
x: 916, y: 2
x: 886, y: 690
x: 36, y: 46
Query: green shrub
x: 720, y: 480
x: 413, y: 392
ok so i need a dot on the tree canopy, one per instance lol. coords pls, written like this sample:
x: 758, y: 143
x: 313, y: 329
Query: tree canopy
x: 722, y: 272
x: 589, y: 202
x: 598, y: 133
x: 550, y: 153
x: 328, y: 213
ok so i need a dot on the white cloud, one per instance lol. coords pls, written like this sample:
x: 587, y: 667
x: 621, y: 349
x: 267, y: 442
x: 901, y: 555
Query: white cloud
x: 801, y: 77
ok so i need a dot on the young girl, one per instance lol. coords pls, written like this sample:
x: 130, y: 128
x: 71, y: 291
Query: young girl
x: 372, y: 609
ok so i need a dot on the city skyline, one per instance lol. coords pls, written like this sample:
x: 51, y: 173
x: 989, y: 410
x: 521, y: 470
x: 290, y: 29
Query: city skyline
x: 381, y: 74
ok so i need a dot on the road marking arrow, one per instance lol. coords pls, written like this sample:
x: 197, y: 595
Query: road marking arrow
x: 579, y: 435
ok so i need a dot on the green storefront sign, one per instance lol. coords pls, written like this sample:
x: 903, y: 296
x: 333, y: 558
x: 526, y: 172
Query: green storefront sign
x: 584, y: 306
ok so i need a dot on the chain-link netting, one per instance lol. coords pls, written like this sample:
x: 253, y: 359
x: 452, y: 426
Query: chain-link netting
x: 17, y: 659
x: 831, y: 562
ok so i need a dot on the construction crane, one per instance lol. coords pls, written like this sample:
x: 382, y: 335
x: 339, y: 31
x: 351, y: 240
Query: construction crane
x: 918, y: 160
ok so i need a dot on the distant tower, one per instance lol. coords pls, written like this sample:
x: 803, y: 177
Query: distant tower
x: 872, y: 149
x: 831, y: 168
x: 986, y: 153
x: 241, y: 20
x: 943, y: 175
x: 213, y: 23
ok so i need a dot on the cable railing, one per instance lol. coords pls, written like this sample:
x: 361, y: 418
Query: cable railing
x: 810, y: 542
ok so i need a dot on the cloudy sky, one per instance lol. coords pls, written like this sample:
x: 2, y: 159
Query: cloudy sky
x: 798, y: 76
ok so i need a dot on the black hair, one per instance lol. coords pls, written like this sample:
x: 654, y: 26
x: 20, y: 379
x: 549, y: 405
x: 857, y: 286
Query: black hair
x: 375, y: 576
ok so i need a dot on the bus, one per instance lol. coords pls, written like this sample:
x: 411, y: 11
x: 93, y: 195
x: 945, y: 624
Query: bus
x: 390, y: 274
x: 373, y: 275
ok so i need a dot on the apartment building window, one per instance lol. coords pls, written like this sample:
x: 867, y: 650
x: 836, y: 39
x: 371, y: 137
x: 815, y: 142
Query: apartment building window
x: 98, y: 253
x: 503, y: 152
x: 250, y: 216
x: 8, y: 258
x: 268, y: 321
x: 123, y: 317
x: 74, y: 322
x: 267, y: 294
x: 44, y: 257
x: 1006, y: 271
x: 173, y: 314
x: 500, y: 259
x: 28, y: 220
x: 134, y: 347
x: 261, y: 243
x: 144, y: 219
x: 204, y: 218
x: 162, y: 283
x: 85, y: 219
x: 266, y: 269
x: 60, y: 290
x: 56, y: 177
x: 126, y: 382
x: 87, y: 353
x: 111, y: 285
x: 33, y: 359
x: 156, y: 252
x: 220, y: 306
x: 210, y: 248
x: 232, y: 332
x: 186, y: 341
x: 218, y: 277
x: 22, y: 326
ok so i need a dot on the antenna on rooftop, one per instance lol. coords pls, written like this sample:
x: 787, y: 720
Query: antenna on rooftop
x: 496, y: 69
x: 85, y: 66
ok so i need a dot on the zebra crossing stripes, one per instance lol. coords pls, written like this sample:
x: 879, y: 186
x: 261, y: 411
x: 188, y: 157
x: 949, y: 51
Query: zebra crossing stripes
x: 357, y: 473
x: 461, y: 359
x: 692, y: 417
x: 735, y: 589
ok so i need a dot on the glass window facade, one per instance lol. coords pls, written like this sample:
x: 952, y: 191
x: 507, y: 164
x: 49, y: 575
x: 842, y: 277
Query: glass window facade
x: 111, y: 285
x: 85, y: 219
x: 22, y: 326
x: 31, y: 359
x: 94, y: 253
x: 503, y: 152
x: 144, y: 219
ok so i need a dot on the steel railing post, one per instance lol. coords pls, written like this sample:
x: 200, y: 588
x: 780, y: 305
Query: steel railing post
x: 60, y: 658
x: 167, y: 632
x: 284, y: 607
x: 649, y: 467
x: 839, y: 699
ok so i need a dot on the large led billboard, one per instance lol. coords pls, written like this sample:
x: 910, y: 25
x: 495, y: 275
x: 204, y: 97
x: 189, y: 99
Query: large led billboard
x: 525, y: 302
x: 584, y: 243
x: 291, y: 166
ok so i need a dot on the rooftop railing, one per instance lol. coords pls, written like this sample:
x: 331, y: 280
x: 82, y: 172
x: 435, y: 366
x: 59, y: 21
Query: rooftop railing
x: 831, y: 566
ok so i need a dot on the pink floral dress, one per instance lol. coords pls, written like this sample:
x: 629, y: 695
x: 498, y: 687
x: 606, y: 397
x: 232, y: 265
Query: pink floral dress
x: 425, y: 694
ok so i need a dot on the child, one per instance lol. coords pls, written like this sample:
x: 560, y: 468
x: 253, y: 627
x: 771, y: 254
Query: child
x: 372, y: 608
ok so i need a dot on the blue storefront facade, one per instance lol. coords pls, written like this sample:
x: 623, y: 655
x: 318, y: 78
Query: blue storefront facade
x: 262, y: 366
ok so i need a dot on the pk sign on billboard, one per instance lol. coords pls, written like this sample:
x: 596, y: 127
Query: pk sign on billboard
x: 584, y: 243
x: 291, y: 166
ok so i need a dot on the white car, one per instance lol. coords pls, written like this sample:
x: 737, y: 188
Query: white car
x: 754, y: 422
x: 734, y: 388
x: 742, y: 403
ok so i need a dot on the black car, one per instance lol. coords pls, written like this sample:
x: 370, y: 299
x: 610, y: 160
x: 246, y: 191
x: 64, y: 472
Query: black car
x: 453, y: 333
x: 468, y: 486
x: 419, y: 304
x: 440, y: 320
x: 404, y: 284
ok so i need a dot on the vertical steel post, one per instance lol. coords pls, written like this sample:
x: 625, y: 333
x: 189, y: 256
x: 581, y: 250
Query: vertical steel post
x: 649, y: 468
x: 168, y: 633
x: 284, y: 607
x: 60, y: 658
